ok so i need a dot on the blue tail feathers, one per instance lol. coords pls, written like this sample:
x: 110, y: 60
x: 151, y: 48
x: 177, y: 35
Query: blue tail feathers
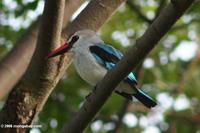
x: 144, y: 98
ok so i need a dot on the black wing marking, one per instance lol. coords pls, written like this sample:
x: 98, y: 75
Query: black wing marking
x: 103, y: 54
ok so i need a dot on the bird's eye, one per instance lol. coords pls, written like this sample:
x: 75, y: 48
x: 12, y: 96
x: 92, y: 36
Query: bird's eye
x: 75, y: 38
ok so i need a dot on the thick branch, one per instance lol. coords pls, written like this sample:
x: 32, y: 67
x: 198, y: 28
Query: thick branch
x: 143, y: 46
x: 125, y: 105
x: 40, y: 76
x: 14, y: 65
x: 93, y: 17
x: 25, y: 100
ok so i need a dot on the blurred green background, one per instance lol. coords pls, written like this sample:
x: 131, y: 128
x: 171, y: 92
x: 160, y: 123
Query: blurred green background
x: 170, y: 73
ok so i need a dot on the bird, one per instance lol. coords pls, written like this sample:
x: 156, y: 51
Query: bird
x: 93, y: 58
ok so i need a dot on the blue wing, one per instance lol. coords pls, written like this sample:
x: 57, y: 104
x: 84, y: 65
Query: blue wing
x: 108, y: 56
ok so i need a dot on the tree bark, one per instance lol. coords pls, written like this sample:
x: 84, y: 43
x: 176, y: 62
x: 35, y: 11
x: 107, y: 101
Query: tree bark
x: 29, y: 96
x: 14, y: 65
x: 143, y: 46
x: 40, y: 76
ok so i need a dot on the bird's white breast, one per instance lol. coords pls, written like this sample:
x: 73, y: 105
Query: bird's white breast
x: 87, y: 67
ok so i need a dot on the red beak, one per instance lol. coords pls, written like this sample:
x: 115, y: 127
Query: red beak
x: 61, y: 50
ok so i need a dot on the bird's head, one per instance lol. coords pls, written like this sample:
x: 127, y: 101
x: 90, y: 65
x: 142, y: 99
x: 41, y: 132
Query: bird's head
x: 79, y: 38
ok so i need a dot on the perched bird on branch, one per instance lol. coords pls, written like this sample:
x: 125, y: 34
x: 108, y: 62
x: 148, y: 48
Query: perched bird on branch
x: 93, y: 58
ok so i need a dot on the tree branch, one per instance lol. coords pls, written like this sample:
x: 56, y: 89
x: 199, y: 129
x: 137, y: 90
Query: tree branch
x: 160, y: 7
x: 25, y: 98
x: 39, y: 78
x: 173, y: 127
x: 93, y: 17
x: 137, y: 10
x: 181, y: 26
x: 143, y: 46
x: 14, y: 65
x: 120, y: 115
x: 187, y: 73
x: 125, y: 105
x: 185, y: 116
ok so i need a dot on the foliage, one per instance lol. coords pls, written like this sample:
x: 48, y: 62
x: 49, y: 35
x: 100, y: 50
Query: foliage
x: 170, y: 78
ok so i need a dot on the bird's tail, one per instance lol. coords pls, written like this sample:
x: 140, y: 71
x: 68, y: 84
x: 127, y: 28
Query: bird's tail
x: 144, y: 98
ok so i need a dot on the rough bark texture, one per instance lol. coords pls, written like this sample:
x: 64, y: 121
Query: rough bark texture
x: 143, y: 46
x: 29, y: 96
x: 14, y: 65
x: 41, y: 75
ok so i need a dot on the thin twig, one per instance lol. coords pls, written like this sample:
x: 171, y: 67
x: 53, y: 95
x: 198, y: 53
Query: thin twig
x: 120, y: 116
x: 138, y: 11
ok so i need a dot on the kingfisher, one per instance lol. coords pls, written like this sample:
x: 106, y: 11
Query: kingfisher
x: 93, y: 58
